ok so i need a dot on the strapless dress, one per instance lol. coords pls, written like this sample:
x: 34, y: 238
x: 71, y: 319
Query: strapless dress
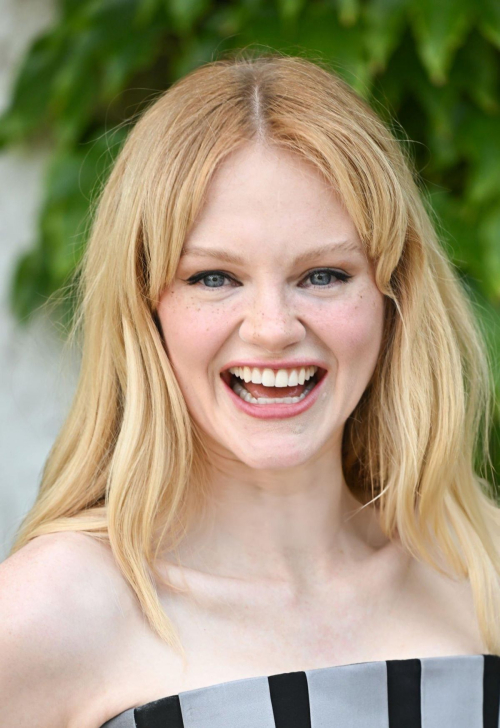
x: 459, y: 691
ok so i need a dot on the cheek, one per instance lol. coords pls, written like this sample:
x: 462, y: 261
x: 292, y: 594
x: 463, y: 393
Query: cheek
x: 192, y: 332
x: 353, y: 329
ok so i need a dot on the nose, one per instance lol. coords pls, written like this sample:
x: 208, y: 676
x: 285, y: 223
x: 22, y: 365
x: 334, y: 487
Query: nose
x: 270, y: 322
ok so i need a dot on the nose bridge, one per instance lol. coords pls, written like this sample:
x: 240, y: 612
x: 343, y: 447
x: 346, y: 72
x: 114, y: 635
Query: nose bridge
x: 270, y: 320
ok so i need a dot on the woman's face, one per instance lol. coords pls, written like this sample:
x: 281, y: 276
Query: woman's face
x: 273, y: 276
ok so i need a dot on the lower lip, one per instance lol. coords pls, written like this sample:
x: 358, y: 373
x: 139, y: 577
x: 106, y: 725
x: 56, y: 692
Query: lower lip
x: 276, y: 411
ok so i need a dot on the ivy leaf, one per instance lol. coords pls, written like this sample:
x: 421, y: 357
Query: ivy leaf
x: 457, y: 228
x: 488, y: 317
x: 442, y: 112
x: 489, y: 231
x: 225, y: 22
x: 185, y: 13
x: 489, y: 20
x: 128, y: 58
x: 289, y: 10
x: 29, y: 281
x: 321, y: 31
x: 28, y: 110
x: 348, y: 11
x: 146, y: 12
x: 478, y: 60
x: 73, y: 181
x: 69, y: 7
x: 385, y: 21
x: 480, y: 142
x: 439, y: 28
x: 267, y: 26
x: 195, y: 51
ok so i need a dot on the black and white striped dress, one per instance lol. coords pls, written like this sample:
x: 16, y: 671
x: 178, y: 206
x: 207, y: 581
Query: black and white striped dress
x: 461, y: 691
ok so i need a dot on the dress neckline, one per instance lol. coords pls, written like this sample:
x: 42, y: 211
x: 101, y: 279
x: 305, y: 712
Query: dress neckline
x: 402, y: 661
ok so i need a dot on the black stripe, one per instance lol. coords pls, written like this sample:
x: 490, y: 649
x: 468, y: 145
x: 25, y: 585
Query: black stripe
x: 290, y: 700
x: 403, y: 693
x: 491, y: 691
x: 163, y: 713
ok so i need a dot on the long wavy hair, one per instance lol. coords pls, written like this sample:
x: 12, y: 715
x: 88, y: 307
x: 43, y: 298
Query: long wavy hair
x: 129, y: 465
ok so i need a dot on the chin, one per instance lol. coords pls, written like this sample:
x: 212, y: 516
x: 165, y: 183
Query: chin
x: 276, y: 459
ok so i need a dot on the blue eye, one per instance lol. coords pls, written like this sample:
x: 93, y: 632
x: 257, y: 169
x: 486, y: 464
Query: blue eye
x: 325, y: 275
x: 212, y: 276
x: 215, y: 278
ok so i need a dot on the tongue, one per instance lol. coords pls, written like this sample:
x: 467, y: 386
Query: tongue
x: 258, y: 390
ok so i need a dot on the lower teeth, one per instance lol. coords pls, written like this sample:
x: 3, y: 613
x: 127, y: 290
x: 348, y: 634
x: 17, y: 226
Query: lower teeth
x: 245, y: 394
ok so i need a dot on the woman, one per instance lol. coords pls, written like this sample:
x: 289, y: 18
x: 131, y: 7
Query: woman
x: 262, y: 510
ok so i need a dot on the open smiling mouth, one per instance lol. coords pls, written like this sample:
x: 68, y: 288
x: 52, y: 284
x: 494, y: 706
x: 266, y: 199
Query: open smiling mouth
x: 272, y: 386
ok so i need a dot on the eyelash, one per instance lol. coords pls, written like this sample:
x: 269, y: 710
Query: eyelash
x: 197, y: 277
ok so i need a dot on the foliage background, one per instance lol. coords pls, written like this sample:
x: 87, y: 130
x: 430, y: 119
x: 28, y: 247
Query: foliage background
x: 429, y: 67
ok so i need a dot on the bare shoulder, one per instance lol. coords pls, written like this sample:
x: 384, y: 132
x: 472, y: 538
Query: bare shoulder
x: 65, y: 575
x: 63, y: 604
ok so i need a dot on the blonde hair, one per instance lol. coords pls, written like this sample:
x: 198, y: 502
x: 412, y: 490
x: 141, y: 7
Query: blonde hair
x: 128, y: 465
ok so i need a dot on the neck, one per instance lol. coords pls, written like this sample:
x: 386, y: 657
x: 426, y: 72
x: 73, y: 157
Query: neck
x: 297, y: 526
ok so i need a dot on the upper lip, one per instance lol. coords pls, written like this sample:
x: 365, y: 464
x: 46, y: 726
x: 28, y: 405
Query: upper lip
x: 275, y: 365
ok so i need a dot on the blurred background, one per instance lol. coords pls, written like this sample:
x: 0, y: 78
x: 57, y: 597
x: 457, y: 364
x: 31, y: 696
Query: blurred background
x: 74, y: 74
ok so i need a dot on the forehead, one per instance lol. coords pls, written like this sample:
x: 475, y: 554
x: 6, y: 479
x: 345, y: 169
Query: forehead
x: 265, y: 175
x: 269, y: 196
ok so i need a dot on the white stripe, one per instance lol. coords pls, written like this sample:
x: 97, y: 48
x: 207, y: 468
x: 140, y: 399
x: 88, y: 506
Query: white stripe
x: 452, y: 691
x: 123, y: 720
x: 244, y: 703
x: 349, y: 696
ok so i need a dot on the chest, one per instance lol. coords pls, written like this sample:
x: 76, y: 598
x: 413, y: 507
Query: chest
x: 268, y: 633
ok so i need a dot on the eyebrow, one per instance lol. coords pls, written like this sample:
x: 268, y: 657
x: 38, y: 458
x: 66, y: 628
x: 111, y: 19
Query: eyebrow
x: 227, y: 257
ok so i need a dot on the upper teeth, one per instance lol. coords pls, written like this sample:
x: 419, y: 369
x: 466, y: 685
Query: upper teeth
x: 269, y: 378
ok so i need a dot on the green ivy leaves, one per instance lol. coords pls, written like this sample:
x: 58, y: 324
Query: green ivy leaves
x: 440, y: 29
